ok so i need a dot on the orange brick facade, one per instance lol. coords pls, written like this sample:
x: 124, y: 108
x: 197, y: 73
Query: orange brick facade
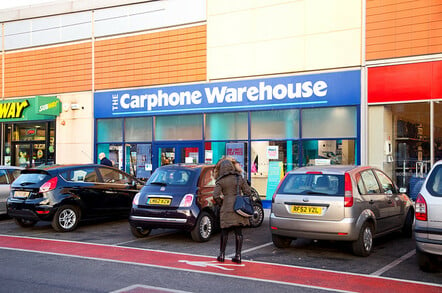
x: 165, y: 57
x: 399, y: 28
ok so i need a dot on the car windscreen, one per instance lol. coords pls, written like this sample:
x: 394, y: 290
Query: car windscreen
x: 171, y: 177
x: 313, y: 184
x: 434, y: 183
x: 28, y: 179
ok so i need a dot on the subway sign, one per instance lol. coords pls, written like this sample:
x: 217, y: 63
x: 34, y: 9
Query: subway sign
x: 300, y: 91
x: 39, y: 108
x: 13, y: 110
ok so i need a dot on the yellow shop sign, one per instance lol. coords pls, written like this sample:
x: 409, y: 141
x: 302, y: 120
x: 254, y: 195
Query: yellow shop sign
x: 13, y: 109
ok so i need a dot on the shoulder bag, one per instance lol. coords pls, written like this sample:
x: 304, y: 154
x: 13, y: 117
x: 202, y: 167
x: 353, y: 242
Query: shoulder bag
x: 243, y: 206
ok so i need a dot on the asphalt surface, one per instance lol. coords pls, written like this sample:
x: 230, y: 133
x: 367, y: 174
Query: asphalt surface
x: 393, y: 259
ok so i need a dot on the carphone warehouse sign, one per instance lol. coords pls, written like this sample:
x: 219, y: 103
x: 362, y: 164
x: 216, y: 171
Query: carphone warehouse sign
x: 300, y: 91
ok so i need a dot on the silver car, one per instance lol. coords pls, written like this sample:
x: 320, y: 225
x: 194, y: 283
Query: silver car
x: 349, y: 203
x: 428, y: 226
x: 7, y: 175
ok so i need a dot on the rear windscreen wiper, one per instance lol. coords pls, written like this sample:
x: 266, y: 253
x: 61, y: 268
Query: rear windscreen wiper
x: 159, y: 183
x: 26, y: 183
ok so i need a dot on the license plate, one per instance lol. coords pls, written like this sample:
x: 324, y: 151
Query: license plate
x: 306, y: 210
x: 159, y: 201
x: 19, y: 193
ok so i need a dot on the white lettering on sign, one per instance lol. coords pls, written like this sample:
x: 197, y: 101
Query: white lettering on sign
x: 221, y: 95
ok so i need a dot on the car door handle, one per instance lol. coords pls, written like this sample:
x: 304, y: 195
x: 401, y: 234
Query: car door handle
x: 371, y: 201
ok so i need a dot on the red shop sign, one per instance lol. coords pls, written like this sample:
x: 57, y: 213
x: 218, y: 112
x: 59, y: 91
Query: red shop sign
x: 406, y: 82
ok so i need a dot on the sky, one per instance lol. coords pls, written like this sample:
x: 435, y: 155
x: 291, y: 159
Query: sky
x: 6, y: 4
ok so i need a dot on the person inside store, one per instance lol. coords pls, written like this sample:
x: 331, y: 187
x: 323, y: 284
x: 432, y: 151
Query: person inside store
x: 226, y: 184
x: 104, y: 160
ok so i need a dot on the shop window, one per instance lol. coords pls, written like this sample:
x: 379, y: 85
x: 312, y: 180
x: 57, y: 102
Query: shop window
x: 329, y: 122
x: 183, y: 127
x: 226, y: 126
x: 29, y: 132
x: 139, y: 160
x: 214, y: 151
x: 113, y: 152
x: 267, y: 153
x: 138, y: 129
x: 411, y: 142
x: 278, y: 124
x: 109, y: 130
x: 328, y: 152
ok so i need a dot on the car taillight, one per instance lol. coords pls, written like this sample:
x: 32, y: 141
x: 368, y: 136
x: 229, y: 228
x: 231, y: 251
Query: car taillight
x: 348, y: 191
x: 421, y: 208
x: 277, y: 188
x: 186, y: 201
x: 49, y: 185
x: 136, y: 199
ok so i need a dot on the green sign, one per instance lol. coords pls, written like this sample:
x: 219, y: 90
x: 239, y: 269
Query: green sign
x: 47, y: 106
x: 40, y: 108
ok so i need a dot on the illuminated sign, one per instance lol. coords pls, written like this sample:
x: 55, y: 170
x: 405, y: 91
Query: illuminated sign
x: 13, y: 109
x: 297, y: 91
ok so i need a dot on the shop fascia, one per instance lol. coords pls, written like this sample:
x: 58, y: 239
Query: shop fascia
x: 315, y: 90
x: 225, y: 94
x: 38, y: 108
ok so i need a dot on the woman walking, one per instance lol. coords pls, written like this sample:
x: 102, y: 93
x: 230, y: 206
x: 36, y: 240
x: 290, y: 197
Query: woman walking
x: 226, y: 184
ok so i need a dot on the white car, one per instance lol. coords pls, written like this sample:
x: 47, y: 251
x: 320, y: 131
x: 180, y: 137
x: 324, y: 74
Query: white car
x: 428, y: 225
x: 7, y: 175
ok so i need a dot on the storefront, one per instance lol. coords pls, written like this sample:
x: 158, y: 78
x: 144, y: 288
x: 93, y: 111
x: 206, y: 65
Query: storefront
x: 28, y: 131
x: 285, y: 121
x: 405, y: 125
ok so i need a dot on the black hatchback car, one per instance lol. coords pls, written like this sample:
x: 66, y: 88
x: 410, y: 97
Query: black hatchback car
x: 66, y: 194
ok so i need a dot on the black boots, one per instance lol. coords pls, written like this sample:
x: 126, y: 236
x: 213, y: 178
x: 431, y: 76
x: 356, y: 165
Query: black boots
x: 222, y: 247
x: 238, y: 246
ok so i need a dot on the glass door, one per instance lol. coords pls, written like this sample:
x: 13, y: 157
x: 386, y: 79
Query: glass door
x: 22, y: 155
x: 177, y: 153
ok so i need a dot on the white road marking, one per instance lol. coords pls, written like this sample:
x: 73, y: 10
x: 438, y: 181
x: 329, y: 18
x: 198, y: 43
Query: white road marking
x: 394, y: 263
x: 145, y: 238
x: 252, y: 249
x: 152, y: 289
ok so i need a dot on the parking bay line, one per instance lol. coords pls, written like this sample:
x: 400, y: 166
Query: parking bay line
x: 251, y: 270
x: 252, y: 249
x: 394, y: 263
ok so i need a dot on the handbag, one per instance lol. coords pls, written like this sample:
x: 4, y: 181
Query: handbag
x: 243, y: 206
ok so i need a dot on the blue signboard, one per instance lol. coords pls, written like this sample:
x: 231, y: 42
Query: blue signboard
x: 297, y: 91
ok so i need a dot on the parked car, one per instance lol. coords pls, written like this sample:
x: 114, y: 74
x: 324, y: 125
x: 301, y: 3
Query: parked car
x: 428, y: 224
x: 66, y: 194
x: 181, y: 197
x: 349, y: 203
x: 7, y: 175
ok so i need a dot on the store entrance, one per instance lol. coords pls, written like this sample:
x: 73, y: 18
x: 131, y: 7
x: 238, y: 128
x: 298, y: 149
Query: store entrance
x: 29, y: 154
x: 177, y: 152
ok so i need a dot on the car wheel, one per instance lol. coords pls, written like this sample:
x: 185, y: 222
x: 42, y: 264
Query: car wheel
x: 139, y: 232
x: 66, y: 218
x: 364, y: 244
x: 426, y: 261
x: 203, y: 228
x: 281, y: 241
x: 24, y: 222
x: 407, y: 229
x: 258, y: 216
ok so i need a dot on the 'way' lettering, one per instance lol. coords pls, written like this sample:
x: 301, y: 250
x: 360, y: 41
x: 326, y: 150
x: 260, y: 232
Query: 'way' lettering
x: 13, y: 110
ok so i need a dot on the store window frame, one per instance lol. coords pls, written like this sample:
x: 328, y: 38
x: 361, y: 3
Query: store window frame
x: 49, y: 143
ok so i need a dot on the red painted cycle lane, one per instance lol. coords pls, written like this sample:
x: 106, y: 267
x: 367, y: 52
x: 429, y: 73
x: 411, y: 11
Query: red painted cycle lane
x: 248, y: 269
